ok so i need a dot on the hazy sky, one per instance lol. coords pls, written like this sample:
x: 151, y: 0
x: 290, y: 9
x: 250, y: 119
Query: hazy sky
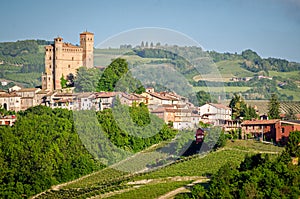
x: 270, y: 27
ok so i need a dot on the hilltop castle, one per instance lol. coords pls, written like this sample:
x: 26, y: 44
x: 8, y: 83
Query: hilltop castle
x: 63, y: 59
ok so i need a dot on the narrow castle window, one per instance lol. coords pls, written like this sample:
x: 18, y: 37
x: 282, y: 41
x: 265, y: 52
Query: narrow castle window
x: 69, y: 66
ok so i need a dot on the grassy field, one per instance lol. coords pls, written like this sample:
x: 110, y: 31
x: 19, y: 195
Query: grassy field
x: 252, y: 145
x: 296, y: 95
x: 288, y: 75
x: 221, y: 89
x: 229, y: 69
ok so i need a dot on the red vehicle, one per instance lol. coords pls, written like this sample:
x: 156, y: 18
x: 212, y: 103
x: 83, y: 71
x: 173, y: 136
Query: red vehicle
x: 199, y: 135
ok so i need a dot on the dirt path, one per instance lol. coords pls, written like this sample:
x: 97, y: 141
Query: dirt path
x: 197, y: 179
x: 251, y: 150
x: 184, y: 189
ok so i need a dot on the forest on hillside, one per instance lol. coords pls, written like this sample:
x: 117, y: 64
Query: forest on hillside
x: 45, y: 146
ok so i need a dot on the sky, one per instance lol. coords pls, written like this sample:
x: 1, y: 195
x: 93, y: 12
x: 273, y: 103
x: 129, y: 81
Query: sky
x: 269, y: 27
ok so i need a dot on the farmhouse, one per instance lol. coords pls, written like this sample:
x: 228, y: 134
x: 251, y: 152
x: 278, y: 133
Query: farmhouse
x: 269, y: 130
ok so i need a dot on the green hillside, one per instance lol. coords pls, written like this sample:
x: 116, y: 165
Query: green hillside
x: 22, y: 62
x: 116, y: 184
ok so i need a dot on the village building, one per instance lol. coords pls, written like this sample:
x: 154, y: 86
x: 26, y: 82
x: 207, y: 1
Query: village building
x: 62, y: 100
x: 105, y: 100
x: 269, y: 130
x: 10, y: 101
x: 180, y: 115
x: 232, y: 125
x: 8, y: 120
x: 153, y: 98
x: 86, y: 101
x: 29, y: 97
x: 63, y: 59
x: 129, y: 99
x: 14, y: 88
x: 215, y: 114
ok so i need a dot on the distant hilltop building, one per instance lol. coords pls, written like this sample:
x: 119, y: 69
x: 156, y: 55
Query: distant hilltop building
x: 63, y: 59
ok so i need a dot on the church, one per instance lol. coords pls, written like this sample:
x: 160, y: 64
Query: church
x: 63, y: 59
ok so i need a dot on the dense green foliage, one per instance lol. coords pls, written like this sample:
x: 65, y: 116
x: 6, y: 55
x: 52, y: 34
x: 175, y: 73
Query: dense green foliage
x: 203, y: 98
x: 240, y: 110
x: 136, y: 132
x: 274, y: 105
x: 40, y: 150
x: 256, y: 177
x: 87, y: 79
x: 117, y: 77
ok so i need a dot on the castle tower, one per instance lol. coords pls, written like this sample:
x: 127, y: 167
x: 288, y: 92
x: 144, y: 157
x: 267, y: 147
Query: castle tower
x: 47, y: 77
x: 58, y: 62
x: 87, y: 43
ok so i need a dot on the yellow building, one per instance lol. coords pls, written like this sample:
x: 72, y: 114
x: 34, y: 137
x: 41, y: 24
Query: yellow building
x: 63, y: 59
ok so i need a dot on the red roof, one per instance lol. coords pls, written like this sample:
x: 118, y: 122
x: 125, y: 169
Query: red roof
x: 106, y: 94
x: 158, y: 96
x: 259, y: 122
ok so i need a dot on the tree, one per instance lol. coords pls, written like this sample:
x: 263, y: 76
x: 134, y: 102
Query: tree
x: 112, y: 75
x: 240, y: 109
x: 237, y: 106
x: 293, y: 147
x: 203, y: 98
x: 274, y: 106
x: 87, y: 79
x: 63, y: 82
x: 117, y: 77
x: 151, y: 45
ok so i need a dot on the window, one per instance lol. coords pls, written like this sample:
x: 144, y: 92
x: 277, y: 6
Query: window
x: 72, y: 58
x: 69, y: 66
x: 282, y: 129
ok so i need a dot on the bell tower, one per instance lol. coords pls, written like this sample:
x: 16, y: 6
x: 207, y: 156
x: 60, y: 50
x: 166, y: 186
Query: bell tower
x: 87, y: 43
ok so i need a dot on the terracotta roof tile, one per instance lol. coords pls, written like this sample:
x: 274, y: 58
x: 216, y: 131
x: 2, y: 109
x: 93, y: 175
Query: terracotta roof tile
x: 259, y: 122
x: 106, y: 94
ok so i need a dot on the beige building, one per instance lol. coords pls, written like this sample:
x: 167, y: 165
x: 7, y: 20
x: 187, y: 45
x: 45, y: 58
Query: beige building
x: 10, y: 101
x: 63, y: 59
x: 29, y: 97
